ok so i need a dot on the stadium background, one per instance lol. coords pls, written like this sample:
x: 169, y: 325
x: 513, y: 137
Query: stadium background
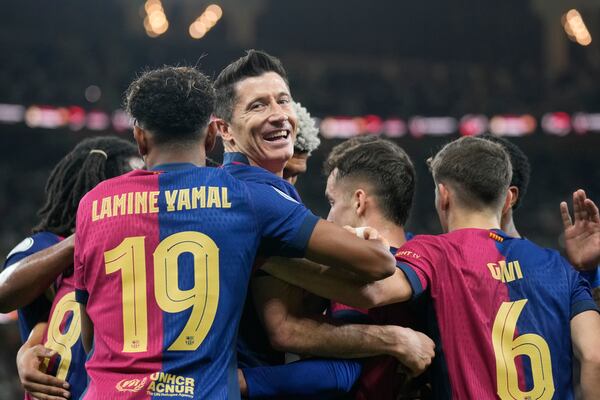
x: 421, y: 73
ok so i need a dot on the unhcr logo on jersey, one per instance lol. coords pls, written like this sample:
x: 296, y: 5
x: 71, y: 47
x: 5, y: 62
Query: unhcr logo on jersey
x: 164, y: 384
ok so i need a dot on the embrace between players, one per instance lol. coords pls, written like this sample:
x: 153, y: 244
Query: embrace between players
x: 167, y: 258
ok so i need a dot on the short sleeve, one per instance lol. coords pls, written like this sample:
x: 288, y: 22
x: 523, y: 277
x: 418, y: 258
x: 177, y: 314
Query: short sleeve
x: 39, y: 309
x: 417, y: 259
x: 283, y: 219
x: 593, y: 277
x: 581, y: 296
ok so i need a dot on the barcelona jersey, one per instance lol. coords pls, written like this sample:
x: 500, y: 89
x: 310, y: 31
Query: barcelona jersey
x: 502, y: 311
x: 253, y: 345
x: 63, y: 334
x: 162, y: 261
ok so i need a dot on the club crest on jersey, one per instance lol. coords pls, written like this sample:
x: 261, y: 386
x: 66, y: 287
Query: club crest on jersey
x: 131, y: 385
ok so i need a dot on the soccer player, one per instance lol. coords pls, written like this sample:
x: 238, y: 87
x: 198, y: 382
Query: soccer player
x: 49, y: 322
x: 255, y: 119
x: 579, y: 237
x: 180, y: 250
x: 363, y: 191
x: 307, y: 140
x: 508, y: 313
x: 521, y: 172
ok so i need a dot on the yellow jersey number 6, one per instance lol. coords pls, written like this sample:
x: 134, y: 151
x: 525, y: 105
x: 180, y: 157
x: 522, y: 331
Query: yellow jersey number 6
x: 129, y: 257
x: 507, y: 348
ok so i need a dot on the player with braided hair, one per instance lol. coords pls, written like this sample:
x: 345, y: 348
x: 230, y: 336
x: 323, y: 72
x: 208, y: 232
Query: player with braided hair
x: 307, y: 140
x: 43, y: 263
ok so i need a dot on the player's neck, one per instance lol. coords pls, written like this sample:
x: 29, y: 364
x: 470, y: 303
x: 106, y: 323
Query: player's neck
x: 167, y: 155
x: 393, y: 233
x: 510, y: 229
x: 462, y: 218
x: 508, y: 225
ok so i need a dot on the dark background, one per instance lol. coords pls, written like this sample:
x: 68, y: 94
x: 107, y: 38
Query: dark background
x: 344, y: 57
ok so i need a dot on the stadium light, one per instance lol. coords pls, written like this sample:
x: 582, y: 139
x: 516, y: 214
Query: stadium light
x: 575, y: 28
x: 155, y: 21
x: 206, y: 21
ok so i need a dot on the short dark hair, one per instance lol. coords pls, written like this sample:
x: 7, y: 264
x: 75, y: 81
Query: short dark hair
x: 383, y: 165
x: 520, y: 165
x: 89, y: 163
x: 254, y: 63
x: 335, y: 154
x: 174, y: 103
x: 479, y: 170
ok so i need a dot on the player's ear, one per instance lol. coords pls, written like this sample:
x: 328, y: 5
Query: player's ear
x: 360, y: 202
x: 508, y: 201
x: 514, y: 191
x: 443, y: 196
x: 210, y: 137
x: 141, y: 139
x: 222, y: 128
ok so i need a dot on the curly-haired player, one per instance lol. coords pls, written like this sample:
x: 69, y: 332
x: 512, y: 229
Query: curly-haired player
x: 33, y: 267
x: 307, y: 140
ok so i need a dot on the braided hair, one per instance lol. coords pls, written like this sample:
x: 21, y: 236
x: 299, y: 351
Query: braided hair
x: 89, y: 163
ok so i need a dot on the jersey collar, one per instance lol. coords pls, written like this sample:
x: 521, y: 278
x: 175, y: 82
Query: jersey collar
x: 172, y: 166
x: 235, y: 158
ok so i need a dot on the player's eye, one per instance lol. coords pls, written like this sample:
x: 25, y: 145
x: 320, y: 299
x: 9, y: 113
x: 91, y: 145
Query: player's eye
x: 256, y: 106
x: 284, y: 100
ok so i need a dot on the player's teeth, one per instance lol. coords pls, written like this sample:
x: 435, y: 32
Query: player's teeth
x: 276, y: 135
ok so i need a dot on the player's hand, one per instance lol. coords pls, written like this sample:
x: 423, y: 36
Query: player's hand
x: 415, y: 350
x: 368, y: 233
x: 40, y: 385
x: 582, y: 236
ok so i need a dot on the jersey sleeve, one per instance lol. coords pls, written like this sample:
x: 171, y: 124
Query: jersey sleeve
x: 418, y: 258
x: 282, y: 220
x: 593, y: 277
x: 39, y: 309
x: 303, y: 378
x: 581, y: 296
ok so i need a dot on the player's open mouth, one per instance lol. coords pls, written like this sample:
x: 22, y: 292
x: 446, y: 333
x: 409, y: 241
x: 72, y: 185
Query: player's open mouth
x: 276, y: 136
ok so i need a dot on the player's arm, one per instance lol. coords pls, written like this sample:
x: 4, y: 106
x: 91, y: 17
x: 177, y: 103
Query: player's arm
x: 301, y: 233
x: 585, y: 335
x: 582, y: 235
x: 87, y: 329
x: 340, y: 285
x: 302, y: 378
x: 29, y: 362
x: 279, y: 307
x: 26, y: 280
x: 331, y: 245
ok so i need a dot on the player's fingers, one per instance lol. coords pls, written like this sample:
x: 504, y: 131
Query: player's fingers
x: 350, y: 229
x: 42, y: 391
x: 42, y: 396
x: 577, y: 211
x: 42, y: 352
x: 565, y: 215
x: 370, y: 233
x: 37, y: 377
x: 592, y: 210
